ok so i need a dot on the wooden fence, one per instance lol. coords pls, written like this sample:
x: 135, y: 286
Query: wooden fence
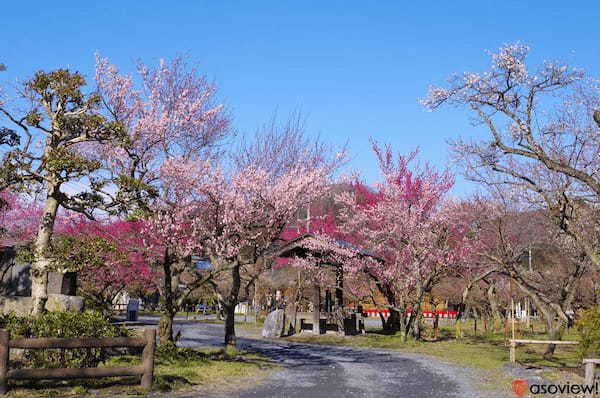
x: 590, y: 372
x: 146, y: 369
x: 514, y: 342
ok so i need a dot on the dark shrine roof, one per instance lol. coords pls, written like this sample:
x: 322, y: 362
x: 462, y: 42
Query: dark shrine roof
x: 296, y: 248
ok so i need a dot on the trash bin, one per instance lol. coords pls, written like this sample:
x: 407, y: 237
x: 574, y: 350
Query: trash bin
x: 133, y: 308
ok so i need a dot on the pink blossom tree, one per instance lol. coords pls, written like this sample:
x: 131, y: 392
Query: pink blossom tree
x: 239, y: 220
x: 174, y: 127
x: 407, y: 220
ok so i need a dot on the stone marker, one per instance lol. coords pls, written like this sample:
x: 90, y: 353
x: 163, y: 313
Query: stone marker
x: 21, y: 306
x: 274, y: 324
x: 133, y: 307
x: 62, y: 302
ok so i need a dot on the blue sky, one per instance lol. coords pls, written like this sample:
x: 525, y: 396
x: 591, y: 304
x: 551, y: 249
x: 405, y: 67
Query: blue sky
x: 355, y: 69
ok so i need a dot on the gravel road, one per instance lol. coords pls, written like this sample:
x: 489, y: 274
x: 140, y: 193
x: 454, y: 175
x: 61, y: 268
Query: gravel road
x: 316, y: 371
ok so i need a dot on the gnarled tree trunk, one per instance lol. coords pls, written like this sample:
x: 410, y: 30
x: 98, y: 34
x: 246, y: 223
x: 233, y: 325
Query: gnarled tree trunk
x: 169, y: 290
x: 494, y: 307
x: 41, y: 263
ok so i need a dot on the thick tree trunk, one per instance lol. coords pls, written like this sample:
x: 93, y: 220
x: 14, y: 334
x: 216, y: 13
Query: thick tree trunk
x: 554, y: 332
x: 41, y: 263
x: 394, y: 321
x: 169, y: 310
x: 229, y: 306
x: 165, y: 328
x: 493, y: 300
x: 392, y: 324
x: 417, y: 326
x: 414, y: 320
x: 230, y: 338
x: 412, y: 325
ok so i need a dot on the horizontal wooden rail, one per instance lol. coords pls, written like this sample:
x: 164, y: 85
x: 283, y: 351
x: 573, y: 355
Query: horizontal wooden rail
x: 514, y: 342
x: 146, y: 370
x: 518, y: 341
x: 80, y: 342
x: 75, y: 373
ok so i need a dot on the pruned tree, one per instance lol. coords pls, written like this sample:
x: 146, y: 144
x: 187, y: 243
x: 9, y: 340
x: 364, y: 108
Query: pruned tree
x: 43, y: 154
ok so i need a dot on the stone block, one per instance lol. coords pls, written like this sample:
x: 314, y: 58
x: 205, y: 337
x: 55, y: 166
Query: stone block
x: 62, y: 302
x: 21, y: 306
x: 274, y: 324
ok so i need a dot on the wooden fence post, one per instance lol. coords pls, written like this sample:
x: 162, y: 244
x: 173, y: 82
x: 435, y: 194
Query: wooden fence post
x: 589, y: 375
x: 513, y: 351
x: 4, y: 351
x: 148, y: 357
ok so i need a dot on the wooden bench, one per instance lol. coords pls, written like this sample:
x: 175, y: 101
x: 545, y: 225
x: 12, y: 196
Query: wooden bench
x: 146, y: 369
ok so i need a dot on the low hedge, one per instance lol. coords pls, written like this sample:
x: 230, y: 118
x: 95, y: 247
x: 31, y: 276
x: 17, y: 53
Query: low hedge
x: 62, y: 324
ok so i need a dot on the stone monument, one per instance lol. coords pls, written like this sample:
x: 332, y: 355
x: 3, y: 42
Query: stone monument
x: 274, y: 324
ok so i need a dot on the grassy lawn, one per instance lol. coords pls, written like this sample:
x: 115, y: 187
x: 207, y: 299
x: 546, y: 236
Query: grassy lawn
x: 484, y: 350
x: 186, y: 370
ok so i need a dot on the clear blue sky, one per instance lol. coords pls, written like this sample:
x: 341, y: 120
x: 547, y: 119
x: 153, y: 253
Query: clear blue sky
x: 356, y: 69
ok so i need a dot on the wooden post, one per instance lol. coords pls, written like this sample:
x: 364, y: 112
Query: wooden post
x: 316, y: 301
x: 512, y: 316
x: 148, y: 357
x: 527, y: 314
x: 513, y: 351
x: 4, y: 351
x: 589, y: 376
x: 506, y: 327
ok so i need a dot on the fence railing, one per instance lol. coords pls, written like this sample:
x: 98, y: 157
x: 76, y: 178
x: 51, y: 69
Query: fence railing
x: 147, y: 340
x: 514, y: 342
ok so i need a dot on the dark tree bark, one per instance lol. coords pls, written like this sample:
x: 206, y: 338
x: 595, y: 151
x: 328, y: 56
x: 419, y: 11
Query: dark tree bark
x: 168, y: 314
x: 229, y: 306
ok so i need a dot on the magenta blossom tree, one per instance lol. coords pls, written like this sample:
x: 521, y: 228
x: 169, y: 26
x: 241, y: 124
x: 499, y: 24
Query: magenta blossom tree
x: 111, y: 257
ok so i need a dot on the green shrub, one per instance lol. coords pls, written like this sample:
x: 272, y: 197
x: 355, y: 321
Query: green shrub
x: 62, y: 324
x: 170, y: 353
x: 588, y: 327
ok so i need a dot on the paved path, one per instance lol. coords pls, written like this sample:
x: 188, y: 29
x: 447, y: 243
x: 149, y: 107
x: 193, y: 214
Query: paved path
x: 316, y: 371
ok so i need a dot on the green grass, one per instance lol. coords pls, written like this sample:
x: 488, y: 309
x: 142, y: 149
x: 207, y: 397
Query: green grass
x: 186, y: 370
x: 485, y: 351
